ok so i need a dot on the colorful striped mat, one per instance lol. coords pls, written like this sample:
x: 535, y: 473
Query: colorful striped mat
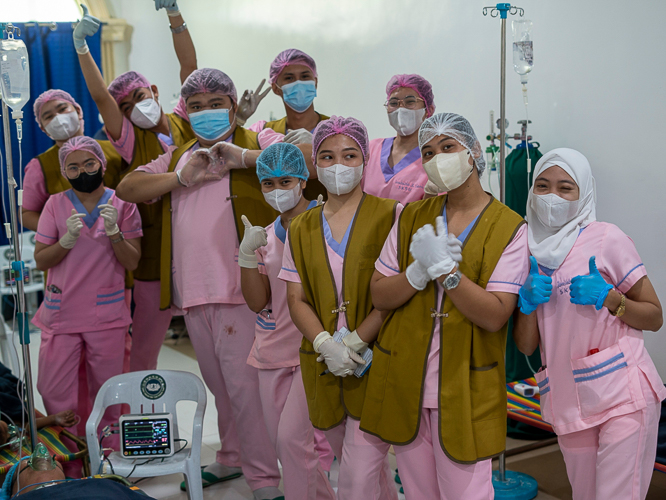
x: 50, y: 436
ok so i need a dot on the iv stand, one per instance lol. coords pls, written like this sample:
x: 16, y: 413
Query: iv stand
x: 502, y: 10
x: 18, y: 267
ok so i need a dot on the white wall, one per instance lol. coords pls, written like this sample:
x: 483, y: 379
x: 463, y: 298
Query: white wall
x: 597, y: 85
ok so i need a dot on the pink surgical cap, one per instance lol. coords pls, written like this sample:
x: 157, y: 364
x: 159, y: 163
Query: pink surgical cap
x: 351, y: 127
x: 287, y: 57
x: 208, y: 81
x: 81, y: 143
x: 51, y: 95
x: 126, y: 83
x: 420, y: 85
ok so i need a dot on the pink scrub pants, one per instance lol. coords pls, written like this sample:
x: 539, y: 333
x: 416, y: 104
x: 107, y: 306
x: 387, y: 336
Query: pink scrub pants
x: 285, y: 411
x: 58, y: 378
x: 426, y: 471
x: 326, y: 455
x: 222, y: 336
x: 615, y: 459
x: 149, y: 325
x: 364, y: 467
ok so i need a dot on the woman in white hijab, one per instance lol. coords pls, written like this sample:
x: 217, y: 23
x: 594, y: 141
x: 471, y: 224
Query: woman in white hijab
x: 585, y: 304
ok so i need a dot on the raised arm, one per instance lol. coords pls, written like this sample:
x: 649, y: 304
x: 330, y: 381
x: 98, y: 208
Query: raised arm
x: 182, y: 41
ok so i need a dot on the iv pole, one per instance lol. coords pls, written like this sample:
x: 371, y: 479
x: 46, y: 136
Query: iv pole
x: 18, y: 267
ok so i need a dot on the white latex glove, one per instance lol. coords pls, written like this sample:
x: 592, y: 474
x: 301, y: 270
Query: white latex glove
x: 417, y: 275
x: 354, y: 342
x: 74, y: 226
x: 431, y: 189
x: 299, y: 136
x: 199, y: 168
x: 87, y: 26
x: 249, y: 103
x: 431, y: 249
x: 320, y: 199
x: 254, y: 238
x: 454, y: 247
x: 340, y: 359
x: 228, y: 156
x: 110, y: 215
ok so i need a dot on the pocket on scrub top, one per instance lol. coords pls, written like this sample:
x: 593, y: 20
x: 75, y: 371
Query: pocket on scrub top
x: 264, y: 324
x: 51, y: 312
x: 108, y: 303
x: 601, y: 381
x: 484, y: 385
x: 545, y: 395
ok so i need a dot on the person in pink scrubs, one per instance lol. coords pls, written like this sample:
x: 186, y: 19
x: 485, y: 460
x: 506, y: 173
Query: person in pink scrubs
x: 206, y: 279
x: 283, y: 174
x: 340, y: 149
x: 395, y: 170
x: 453, y: 158
x: 585, y: 304
x: 87, y: 238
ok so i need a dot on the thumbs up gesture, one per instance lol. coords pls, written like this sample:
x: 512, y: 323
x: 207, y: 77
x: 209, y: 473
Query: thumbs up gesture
x: 74, y: 226
x: 590, y: 289
x: 536, y: 290
x: 88, y: 26
x: 254, y: 238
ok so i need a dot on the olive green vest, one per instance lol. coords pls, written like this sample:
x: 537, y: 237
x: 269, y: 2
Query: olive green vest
x: 472, y: 391
x: 313, y: 188
x: 246, y: 199
x: 330, y: 398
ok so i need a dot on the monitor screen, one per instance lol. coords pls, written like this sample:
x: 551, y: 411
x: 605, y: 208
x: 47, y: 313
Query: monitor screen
x: 146, y: 436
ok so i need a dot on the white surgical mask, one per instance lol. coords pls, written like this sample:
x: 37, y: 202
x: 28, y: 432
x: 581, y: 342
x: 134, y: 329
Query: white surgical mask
x: 283, y: 200
x: 554, y: 211
x: 63, y: 126
x: 449, y: 171
x: 340, y: 179
x: 146, y: 114
x: 406, y: 121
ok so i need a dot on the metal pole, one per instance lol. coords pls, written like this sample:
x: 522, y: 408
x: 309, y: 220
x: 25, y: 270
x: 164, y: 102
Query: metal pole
x: 22, y: 317
x: 502, y: 467
x: 502, y: 137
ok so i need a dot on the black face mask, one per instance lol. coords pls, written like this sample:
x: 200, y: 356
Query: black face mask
x: 87, y: 183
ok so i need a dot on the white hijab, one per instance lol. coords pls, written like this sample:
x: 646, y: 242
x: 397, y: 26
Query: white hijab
x: 551, y: 246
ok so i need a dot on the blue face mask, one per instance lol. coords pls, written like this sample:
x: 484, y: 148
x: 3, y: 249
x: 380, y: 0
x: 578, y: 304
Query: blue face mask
x: 299, y: 95
x: 210, y: 124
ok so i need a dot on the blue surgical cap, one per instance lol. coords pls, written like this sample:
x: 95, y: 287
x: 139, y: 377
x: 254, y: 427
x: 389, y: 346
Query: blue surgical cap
x: 281, y: 160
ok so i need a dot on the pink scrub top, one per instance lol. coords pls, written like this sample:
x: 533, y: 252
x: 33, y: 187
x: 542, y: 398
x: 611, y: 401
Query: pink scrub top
x: 276, y: 338
x: 336, y: 258
x: 580, y: 390
x: 508, y: 276
x: 403, y: 182
x: 85, y: 291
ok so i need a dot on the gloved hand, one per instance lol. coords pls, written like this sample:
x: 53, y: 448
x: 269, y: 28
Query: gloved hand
x: 249, y: 103
x: 431, y: 249
x: 454, y: 247
x: 228, y: 156
x: 74, y: 226
x: 417, y: 275
x: 431, y: 189
x: 110, y: 215
x: 299, y: 136
x: 320, y: 199
x: 354, y: 342
x: 169, y: 5
x: 88, y: 26
x: 536, y: 290
x: 254, y: 238
x: 199, y: 168
x: 340, y: 359
x: 590, y: 289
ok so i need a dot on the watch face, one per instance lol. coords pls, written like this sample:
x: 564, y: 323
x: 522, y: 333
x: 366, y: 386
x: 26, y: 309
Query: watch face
x: 452, y: 280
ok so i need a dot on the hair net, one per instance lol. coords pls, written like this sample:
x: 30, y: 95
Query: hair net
x: 280, y: 160
x: 458, y: 128
x: 126, y: 83
x: 51, y: 95
x: 351, y: 127
x: 77, y: 144
x: 208, y: 81
x: 420, y: 85
x: 287, y: 57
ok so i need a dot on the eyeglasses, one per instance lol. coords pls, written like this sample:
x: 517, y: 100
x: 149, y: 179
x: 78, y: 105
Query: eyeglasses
x: 409, y: 102
x: 90, y: 167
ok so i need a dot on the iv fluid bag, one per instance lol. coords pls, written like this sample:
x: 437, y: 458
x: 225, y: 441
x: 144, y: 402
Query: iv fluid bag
x: 523, y: 56
x: 14, y: 73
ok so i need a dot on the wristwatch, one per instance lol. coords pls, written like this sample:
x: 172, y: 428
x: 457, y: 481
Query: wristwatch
x: 179, y: 29
x: 118, y: 237
x: 452, y: 280
x: 619, y: 312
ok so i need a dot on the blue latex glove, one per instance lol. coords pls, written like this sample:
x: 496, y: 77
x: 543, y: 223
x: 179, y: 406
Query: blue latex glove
x: 590, y: 289
x: 536, y: 290
x: 166, y: 4
x: 88, y: 26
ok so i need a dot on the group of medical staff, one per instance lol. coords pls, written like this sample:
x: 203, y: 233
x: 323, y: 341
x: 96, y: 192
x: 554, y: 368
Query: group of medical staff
x: 294, y: 246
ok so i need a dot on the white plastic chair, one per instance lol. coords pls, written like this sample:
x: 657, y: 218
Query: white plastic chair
x: 126, y: 389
